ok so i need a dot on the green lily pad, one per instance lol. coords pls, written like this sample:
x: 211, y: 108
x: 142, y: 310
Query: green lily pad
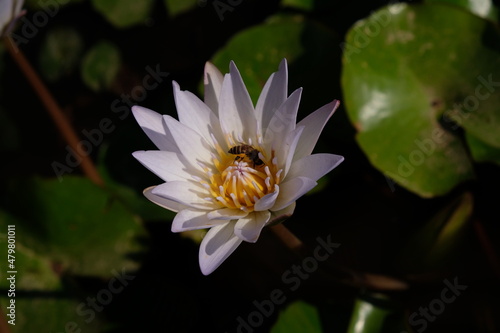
x: 60, y: 53
x: 367, y: 318
x: 412, y: 75
x: 298, y: 317
x: 76, y: 224
x: 482, y: 8
x: 375, y: 313
x: 437, y: 243
x: 481, y: 151
x: 307, y: 5
x: 450, y: 234
x: 100, y: 65
x: 32, y: 270
x: 55, y: 313
x: 177, y: 7
x: 124, y: 13
x: 258, y: 51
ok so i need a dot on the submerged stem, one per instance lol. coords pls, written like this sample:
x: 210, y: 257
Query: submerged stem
x: 289, y: 239
x: 54, y: 110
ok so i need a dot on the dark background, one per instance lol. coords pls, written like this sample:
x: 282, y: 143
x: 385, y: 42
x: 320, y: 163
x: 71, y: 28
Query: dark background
x: 371, y: 217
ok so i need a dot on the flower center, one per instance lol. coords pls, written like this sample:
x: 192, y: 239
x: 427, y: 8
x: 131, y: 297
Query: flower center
x: 239, y: 180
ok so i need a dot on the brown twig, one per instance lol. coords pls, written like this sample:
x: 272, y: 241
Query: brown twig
x: 54, y: 110
x: 4, y: 326
x: 289, y: 239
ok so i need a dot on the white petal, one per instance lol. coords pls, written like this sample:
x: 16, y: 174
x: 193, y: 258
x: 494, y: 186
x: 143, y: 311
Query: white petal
x: 167, y: 165
x: 236, y: 112
x: 313, y: 125
x: 190, y: 219
x: 273, y: 95
x: 213, y: 82
x: 227, y: 214
x: 283, y: 121
x: 249, y: 227
x: 186, y: 193
x: 219, y: 242
x: 152, y: 124
x: 282, y: 214
x: 314, y: 166
x: 162, y: 202
x: 292, y: 190
x: 286, y: 152
x: 267, y: 201
x: 5, y: 13
x: 196, y: 114
x: 191, y: 144
x: 9, y: 10
x: 19, y: 6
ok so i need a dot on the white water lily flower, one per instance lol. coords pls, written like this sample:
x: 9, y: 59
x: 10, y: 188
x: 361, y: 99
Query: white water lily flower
x: 9, y: 11
x: 230, y: 166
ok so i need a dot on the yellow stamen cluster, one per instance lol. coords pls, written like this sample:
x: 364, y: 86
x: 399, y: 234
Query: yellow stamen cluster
x: 236, y: 182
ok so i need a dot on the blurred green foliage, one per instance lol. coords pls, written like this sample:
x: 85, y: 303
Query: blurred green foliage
x: 123, y: 14
x: 74, y: 224
x: 100, y: 65
x: 298, y: 317
x: 60, y: 53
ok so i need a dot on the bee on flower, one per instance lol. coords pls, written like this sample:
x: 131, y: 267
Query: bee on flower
x: 229, y: 166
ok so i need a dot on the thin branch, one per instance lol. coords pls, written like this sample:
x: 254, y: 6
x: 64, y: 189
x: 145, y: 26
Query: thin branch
x: 289, y: 239
x: 4, y: 327
x: 54, y: 110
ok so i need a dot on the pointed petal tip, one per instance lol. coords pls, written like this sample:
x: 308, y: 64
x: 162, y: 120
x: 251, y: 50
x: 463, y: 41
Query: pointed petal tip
x: 283, y: 67
x: 148, y: 189
x: 176, y: 86
x: 209, y: 67
x: 137, y: 109
x: 165, y: 203
x: 142, y: 113
x: 193, y: 219
x: 206, y: 269
x: 152, y: 190
x: 211, y: 72
x: 338, y: 159
x: 136, y: 154
x: 297, y: 91
x: 336, y: 104
x: 233, y: 67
